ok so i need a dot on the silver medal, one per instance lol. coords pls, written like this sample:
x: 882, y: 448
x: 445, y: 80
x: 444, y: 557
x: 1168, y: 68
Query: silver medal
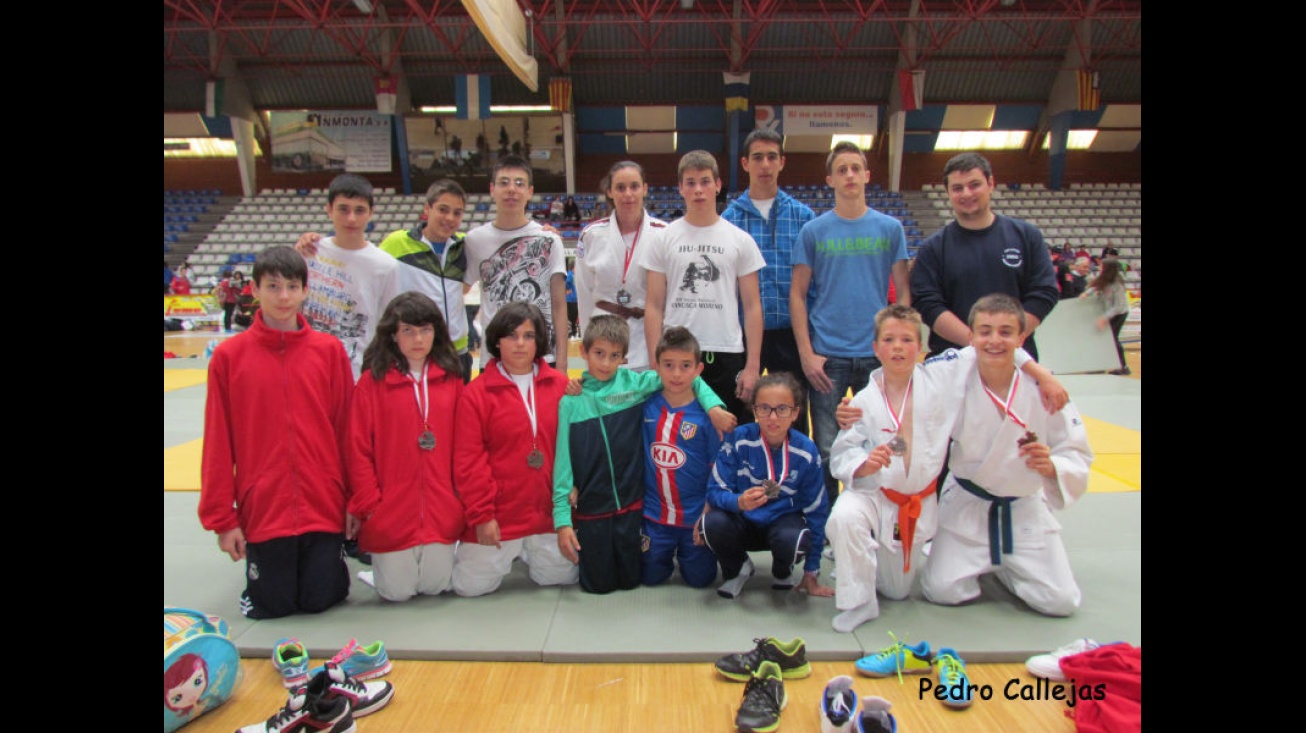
x: 426, y: 441
x: 623, y: 297
x: 535, y: 459
x: 772, y: 489
x: 897, y: 446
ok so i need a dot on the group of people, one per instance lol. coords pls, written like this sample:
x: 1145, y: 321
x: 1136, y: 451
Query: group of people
x: 683, y: 444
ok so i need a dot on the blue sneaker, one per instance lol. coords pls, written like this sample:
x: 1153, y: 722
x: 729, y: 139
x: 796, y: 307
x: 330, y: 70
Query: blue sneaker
x: 875, y: 717
x: 952, y: 677
x: 361, y: 662
x: 291, y: 660
x: 898, y: 659
x: 839, y: 705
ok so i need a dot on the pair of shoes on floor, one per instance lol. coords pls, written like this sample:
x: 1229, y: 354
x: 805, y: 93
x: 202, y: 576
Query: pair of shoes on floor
x: 843, y: 712
x: 899, y: 659
x: 329, y: 703
x: 290, y: 658
x: 790, y: 657
x: 1048, y: 666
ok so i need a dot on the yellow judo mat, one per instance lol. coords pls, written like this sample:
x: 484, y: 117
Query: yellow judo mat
x: 1117, y: 451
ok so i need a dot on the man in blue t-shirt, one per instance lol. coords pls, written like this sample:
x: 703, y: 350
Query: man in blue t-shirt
x: 842, y: 266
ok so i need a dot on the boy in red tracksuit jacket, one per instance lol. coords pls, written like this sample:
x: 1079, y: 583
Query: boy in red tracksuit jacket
x: 272, y: 479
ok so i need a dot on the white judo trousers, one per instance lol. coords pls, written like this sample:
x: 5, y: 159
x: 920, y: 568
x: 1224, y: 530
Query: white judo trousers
x: 985, y: 451
x: 480, y: 569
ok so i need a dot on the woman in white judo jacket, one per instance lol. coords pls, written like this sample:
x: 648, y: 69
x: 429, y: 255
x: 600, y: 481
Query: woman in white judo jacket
x: 885, y: 513
x: 607, y: 272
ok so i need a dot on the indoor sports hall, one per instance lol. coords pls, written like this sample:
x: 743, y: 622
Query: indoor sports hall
x: 256, y: 99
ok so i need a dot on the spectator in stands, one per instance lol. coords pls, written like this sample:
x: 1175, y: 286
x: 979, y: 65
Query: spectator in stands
x: 1072, y: 277
x: 1067, y: 254
x: 168, y: 277
x: 773, y: 219
x: 570, y: 211
x: 181, y: 283
x: 1108, y: 288
x: 1083, y: 252
x: 978, y: 254
x: 557, y: 209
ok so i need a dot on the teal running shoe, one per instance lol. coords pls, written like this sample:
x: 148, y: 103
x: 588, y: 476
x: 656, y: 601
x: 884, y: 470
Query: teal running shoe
x: 361, y: 662
x: 291, y: 660
x: 953, y: 678
x: 899, y: 659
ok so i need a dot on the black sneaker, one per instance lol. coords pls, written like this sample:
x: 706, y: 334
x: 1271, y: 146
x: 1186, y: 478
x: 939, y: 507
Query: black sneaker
x: 764, y: 698
x: 364, y: 698
x: 351, y: 550
x: 790, y: 657
x: 308, y: 713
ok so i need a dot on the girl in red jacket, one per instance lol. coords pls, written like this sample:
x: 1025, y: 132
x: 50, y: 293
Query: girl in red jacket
x: 402, y: 507
x: 507, y: 428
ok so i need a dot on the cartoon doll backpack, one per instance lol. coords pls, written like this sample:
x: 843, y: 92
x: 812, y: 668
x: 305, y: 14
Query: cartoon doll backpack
x: 201, y: 667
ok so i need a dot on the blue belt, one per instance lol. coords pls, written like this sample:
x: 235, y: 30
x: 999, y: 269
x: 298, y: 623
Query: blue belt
x: 999, y: 519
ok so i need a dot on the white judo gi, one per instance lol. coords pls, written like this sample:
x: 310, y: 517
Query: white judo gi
x: 985, y: 452
x: 864, y: 526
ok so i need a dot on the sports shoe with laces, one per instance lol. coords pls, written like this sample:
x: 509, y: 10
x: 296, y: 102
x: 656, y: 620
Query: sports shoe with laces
x: 731, y: 588
x: 361, y: 662
x: 953, y: 678
x: 1048, y: 666
x: 898, y: 659
x: 839, y: 706
x: 790, y: 657
x: 364, y: 698
x: 875, y: 717
x: 308, y: 713
x: 764, y: 698
x: 291, y: 660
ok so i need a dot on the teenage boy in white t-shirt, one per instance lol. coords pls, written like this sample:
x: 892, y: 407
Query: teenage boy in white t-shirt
x: 700, y: 272
x: 515, y: 259
x: 350, y: 281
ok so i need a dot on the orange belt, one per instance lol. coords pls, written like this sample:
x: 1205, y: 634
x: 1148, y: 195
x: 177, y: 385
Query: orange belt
x: 909, y: 508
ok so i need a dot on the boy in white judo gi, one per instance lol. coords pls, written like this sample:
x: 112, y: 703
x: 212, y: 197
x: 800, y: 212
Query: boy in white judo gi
x: 1011, y: 465
x: 889, y: 460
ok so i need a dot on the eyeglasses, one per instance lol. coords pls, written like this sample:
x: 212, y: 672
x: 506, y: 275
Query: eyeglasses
x: 781, y: 411
x: 515, y: 182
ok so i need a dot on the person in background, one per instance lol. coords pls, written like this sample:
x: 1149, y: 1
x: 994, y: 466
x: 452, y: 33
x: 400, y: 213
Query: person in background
x: 1108, y: 289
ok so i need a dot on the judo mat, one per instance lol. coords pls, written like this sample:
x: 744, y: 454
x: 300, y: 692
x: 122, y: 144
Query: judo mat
x: 674, y: 623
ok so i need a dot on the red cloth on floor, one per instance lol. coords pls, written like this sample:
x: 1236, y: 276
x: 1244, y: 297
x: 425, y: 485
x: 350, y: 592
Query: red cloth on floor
x: 1119, y: 669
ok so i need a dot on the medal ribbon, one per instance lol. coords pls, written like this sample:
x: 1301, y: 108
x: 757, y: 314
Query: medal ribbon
x: 1005, y: 406
x: 631, y: 251
x: 784, y: 462
x: 884, y: 391
x: 423, y: 397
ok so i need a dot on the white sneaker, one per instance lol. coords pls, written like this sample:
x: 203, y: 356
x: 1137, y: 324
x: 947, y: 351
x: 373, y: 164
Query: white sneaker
x: 732, y: 587
x: 839, y: 708
x: 1048, y: 666
x: 368, y: 577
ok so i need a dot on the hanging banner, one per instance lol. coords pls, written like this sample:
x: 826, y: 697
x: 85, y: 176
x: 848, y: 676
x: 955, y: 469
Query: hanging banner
x: 311, y: 141
x: 847, y: 119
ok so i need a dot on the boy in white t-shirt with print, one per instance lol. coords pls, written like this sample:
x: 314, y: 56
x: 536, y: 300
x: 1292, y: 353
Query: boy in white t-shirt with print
x: 350, y: 280
x: 698, y: 275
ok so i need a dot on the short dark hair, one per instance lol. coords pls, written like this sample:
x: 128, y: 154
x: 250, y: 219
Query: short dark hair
x: 351, y: 186
x: 963, y: 162
x: 765, y: 135
x: 415, y: 309
x: 697, y: 160
x: 997, y: 303
x: 443, y: 186
x: 780, y: 379
x: 606, y: 328
x: 678, y: 338
x: 508, y: 318
x: 841, y: 147
x: 513, y: 161
x: 283, y: 261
